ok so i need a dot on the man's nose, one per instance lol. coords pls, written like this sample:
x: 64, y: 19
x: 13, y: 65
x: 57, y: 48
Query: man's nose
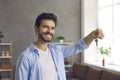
x: 49, y: 29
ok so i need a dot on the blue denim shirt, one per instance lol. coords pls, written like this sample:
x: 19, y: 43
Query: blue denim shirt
x: 28, y: 65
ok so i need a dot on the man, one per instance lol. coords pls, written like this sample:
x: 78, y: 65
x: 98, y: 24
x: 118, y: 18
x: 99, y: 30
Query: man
x: 44, y: 61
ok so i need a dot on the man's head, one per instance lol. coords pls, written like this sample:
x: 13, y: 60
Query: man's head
x: 45, y: 26
x: 43, y: 16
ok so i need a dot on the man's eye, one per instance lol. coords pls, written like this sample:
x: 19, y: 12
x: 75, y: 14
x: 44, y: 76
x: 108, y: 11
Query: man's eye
x: 53, y: 28
x: 45, y: 26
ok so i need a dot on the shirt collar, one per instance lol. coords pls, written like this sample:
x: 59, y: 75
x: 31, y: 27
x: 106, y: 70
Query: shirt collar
x: 35, y: 49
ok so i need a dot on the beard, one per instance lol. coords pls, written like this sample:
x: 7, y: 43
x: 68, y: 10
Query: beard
x: 41, y: 36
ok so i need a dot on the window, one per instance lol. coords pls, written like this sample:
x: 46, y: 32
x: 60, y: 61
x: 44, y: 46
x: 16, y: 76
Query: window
x: 109, y: 21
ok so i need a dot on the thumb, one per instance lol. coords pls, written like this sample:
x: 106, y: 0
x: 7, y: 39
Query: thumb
x: 99, y: 33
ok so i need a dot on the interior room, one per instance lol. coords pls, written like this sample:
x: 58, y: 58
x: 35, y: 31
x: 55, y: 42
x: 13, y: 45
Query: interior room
x: 76, y: 19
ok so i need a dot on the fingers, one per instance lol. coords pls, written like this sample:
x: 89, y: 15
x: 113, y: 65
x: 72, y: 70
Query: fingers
x: 99, y: 33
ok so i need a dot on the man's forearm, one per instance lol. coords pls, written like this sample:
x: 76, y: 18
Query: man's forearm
x: 88, y: 39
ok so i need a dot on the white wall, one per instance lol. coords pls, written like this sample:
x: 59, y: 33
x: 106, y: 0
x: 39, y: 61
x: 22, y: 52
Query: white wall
x: 89, y: 23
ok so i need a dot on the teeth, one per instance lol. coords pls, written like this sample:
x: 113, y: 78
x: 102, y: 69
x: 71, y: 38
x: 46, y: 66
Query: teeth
x: 48, y: 35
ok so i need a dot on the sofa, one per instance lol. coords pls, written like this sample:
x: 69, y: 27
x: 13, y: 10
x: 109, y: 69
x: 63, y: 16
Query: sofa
x: 85, y: 72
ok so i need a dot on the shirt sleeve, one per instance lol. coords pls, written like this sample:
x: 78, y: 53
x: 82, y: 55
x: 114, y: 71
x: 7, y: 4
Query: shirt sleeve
x: 22, y: 68
x: 78, y: 47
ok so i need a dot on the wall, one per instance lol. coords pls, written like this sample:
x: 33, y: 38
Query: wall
x: 17, y: 20
x: 88, y: 23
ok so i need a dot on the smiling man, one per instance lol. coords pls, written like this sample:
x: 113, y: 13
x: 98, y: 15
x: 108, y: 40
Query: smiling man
x: 44, y: 61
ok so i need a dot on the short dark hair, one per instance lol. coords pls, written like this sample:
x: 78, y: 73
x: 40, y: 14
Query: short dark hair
x: 43, y: 16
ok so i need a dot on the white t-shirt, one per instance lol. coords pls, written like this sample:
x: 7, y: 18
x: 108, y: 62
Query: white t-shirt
x: 48, y: 67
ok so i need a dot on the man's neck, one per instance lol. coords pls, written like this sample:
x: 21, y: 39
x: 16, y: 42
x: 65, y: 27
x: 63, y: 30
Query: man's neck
x: 41, y: 45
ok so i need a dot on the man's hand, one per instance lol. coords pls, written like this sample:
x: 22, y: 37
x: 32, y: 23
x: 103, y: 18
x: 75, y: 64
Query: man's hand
x: 98, y: 33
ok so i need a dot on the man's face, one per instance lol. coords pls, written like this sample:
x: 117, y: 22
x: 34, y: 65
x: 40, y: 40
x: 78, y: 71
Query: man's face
x: 46, y: 30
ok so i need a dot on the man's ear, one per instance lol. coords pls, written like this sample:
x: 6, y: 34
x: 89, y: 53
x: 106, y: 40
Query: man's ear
x: 36, y: 29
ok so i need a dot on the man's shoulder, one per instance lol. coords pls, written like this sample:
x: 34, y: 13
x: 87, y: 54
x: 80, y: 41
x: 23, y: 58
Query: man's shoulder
x: 54, y: 45
x: 27, y: 52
